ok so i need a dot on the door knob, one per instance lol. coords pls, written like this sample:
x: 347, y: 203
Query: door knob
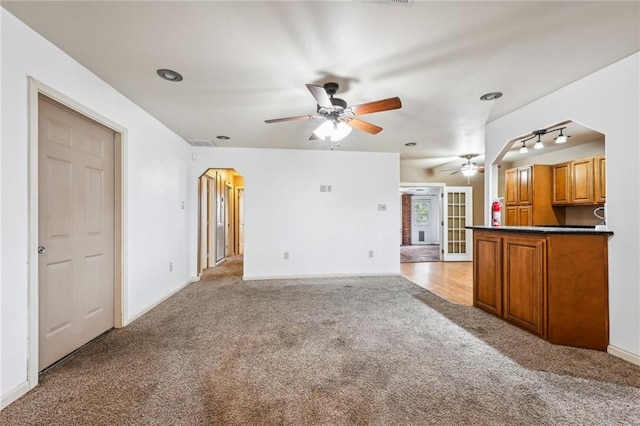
x: 42, y: 250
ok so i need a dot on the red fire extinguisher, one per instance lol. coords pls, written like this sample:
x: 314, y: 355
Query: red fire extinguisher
x: 496, y: 213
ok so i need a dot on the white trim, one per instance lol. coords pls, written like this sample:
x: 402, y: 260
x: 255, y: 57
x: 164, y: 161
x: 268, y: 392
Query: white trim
x: 157, y: 302
x: 35, y: 88
x: 294, y: 277
x: 13, y: 394
x: 621, y: 353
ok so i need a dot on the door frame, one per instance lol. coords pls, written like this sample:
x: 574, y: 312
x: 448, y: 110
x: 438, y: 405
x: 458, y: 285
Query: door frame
x: 439, y: 185
x: 37, y: 88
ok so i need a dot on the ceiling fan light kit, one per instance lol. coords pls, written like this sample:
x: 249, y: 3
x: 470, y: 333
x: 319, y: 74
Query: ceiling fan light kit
x: 335, y: 131
x: 561, y: 138
x: 340, y: 118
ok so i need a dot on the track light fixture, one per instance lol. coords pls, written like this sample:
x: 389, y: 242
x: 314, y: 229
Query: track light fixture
x: 561, y: 138
x: 523, y: 148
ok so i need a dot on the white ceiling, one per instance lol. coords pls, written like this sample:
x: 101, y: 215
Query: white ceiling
x: 244, y: 62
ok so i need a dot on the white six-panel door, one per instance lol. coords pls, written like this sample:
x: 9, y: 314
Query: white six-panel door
x: 76, y: 231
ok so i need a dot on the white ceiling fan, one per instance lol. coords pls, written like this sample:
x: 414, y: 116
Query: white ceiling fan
x: 467, y: 169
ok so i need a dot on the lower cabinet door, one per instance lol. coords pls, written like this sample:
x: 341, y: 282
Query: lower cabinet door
x: 524, y: 283
x: 511, y: 216
x: 487, y: 273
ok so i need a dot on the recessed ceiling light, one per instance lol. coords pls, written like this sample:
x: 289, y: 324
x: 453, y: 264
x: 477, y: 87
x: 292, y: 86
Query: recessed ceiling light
x: 410, y: 144
x: 169, y: 75
x: 491, y: 96
x: 223, y: 138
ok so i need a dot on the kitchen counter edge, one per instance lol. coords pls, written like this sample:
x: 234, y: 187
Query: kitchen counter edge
x: 540, y: 230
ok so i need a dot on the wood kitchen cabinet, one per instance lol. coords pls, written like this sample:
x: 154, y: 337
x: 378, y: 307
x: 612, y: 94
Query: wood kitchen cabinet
x: 529, y: 189
x: 518, y: 215
x: 562, y: 183
x: 511, y: 187
x: 600, y: 175
x: 487, y: 281
x: 524, y: 282
x: 580, y: 182
x: 552, y: 282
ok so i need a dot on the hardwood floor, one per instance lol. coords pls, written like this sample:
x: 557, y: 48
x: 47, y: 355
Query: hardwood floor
x: 452, y: 281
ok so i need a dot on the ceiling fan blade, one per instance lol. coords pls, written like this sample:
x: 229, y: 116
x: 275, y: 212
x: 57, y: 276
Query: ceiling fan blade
x: 364, y: 126
x: 377, y: 106
x: 299, y: 117
x: 320, y: 95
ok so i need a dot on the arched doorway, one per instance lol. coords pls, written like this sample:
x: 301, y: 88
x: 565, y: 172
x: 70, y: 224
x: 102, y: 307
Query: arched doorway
x: 220, y: 217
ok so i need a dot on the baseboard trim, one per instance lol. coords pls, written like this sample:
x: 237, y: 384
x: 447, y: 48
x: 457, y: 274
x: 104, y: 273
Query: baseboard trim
x: 157, y: 302
x: 621, y: 353
x: 14, y: 394
x: 293, y: 277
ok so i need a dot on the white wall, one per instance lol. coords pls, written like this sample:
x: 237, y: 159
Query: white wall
x: 157, y: 171
x: 326, y: 234
x: 607, y: 101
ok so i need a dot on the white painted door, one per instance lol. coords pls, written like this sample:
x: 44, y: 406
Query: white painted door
x: 228, y: 214
x: 211, y: 229
x: 76, y: 199
x: 220, y: 217
x: 458, y: 213
x: 206, y: 214
x: 204, y: 226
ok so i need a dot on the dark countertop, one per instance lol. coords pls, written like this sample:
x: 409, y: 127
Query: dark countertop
x: 541, y: 230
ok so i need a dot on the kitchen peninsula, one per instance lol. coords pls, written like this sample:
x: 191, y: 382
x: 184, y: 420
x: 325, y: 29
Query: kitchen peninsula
x: 550, y: 281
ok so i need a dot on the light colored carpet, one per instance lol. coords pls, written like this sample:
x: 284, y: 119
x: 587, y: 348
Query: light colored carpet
x: 348, y: 351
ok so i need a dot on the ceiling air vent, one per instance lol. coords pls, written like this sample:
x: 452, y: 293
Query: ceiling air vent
x: 201, y: 142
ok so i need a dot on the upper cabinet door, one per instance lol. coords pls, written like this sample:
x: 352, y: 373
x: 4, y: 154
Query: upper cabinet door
x: 511, y: 187
x: 525, y: 195
x: 582, y: 181
x: 600, y: 166
x: 561, y: 183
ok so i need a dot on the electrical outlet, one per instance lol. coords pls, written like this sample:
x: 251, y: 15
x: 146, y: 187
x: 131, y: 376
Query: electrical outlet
x: 286, y: 255
x: 170, y: 266
x: 370, y: 253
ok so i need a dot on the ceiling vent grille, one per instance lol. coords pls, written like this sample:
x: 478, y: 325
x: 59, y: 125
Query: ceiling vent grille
x: 201, y: 142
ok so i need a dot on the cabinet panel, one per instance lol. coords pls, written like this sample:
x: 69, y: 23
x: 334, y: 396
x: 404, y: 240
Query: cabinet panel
x: 511, y: 216
x: 600, y: 169
x: 525, y: 193
x: 582, y: 181
x: 487, y: 273
x: 561, y: 186
x: 524, y: 283
x: 525, y: 216
x: 510, y: 187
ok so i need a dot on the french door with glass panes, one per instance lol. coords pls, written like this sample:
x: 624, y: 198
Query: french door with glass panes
x: 457, y: 214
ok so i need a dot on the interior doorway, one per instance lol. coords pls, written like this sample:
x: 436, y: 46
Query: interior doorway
x: 221, y: 217
x: 420, y: 227
x: 433, y: 223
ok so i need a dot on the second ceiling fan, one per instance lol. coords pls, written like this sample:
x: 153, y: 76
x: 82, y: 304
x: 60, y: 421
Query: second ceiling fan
x: 340, y: 118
